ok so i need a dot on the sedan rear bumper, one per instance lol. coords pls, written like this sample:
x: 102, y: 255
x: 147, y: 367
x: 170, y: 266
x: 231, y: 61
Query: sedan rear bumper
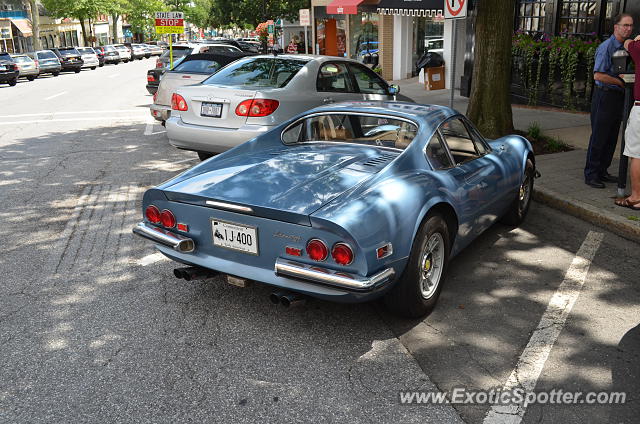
x: 201, y: 138
x: 157, y: 235
x: 160, y: 112
x: 338, y: 279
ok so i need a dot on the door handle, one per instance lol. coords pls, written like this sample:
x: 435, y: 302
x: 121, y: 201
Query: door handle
x: 327, y: 100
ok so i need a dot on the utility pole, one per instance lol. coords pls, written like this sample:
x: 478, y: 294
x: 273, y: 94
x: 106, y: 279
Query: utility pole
x: 35, y: 24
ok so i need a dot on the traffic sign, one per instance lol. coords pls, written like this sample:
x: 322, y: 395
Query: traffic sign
x: 169, y: 22
x: 455, y: 9
x: 305, y: 18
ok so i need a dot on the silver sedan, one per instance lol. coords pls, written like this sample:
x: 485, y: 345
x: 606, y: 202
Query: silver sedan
x: 254, y: 94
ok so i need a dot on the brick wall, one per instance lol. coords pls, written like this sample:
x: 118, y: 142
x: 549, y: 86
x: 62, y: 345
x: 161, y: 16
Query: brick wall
x: 385, y: 37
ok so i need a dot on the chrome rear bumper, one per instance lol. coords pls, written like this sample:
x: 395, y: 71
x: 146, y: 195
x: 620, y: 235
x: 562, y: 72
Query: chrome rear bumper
x: 320, y: 275
x: 158, y: 235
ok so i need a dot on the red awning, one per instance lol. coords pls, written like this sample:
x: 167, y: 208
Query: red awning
x: 343, y: 7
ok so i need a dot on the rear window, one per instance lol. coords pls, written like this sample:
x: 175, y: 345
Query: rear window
x: 86, y: 51
x: 177, y: 51
x: 22, y: 59
x: 69, y: 52
x: 198, y: 66
x: 47, y: 55
x: 368, y: 130
x: 109, y: 49
x: 264, y: 72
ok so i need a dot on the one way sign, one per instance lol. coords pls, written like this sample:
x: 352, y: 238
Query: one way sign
x: 455, y: 9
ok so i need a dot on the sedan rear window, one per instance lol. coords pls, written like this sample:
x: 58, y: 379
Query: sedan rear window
x: 177, y: 51
x: 22, y: 59
x: 369, y: 130
x: 263, y: 72
x: 198, y: 66
x: 69, y: 52
x: 86, y: 51
x: 47, y: 55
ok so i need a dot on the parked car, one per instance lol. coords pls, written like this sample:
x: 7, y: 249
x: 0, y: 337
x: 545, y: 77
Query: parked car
x: 347, y: 203
x: 48, y: 62
x: 154, y: 49
x: 89, y: 57
x: 28, y: 68
x: 254, y: 94
x: 123, y: 51
x: 182, y: 50
x: 69, y: 58
x: 193, y: 69
x: 138, y: 51
x: 9, y: 70
x: 100, y: 55
x: 109, y: 53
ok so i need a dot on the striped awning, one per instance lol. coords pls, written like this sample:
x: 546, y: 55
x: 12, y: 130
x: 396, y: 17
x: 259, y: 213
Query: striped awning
x: 23, y: 26
x: 425, y: 8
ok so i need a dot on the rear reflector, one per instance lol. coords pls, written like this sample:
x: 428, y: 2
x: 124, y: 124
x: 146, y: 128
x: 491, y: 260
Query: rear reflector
x: 257, y: 107
x: 293, y: 251
x: 384, y: 251
x: 182, y: 227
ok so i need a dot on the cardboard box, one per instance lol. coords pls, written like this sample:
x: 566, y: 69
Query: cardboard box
x: 434, y: 78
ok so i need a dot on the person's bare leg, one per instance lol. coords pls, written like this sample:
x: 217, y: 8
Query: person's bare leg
x: 635, y: 180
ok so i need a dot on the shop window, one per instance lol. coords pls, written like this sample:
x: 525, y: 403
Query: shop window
x: 531, y: 15
x: 613, y: 9
x: 363, y: 37
x: 427, y: 35
x: 578, y: 16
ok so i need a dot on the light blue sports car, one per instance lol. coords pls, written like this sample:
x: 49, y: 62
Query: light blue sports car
x: 347, y: 202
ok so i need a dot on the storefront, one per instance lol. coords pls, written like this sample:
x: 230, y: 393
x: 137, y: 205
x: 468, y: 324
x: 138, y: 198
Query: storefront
x: 21, y: 31
x: 6, y: 40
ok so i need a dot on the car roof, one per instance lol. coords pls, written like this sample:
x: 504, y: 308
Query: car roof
x: 309, y: 57
x: 420, y: 113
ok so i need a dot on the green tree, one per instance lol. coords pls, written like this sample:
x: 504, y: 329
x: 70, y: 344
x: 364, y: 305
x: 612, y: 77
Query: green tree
x: 489, y: 103
x: 81, y: 10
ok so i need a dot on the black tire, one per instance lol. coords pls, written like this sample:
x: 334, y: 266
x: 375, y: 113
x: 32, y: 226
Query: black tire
x: 55, y: 74
x: 93, y: 68
x: 520, y: 206
x: 204, y: 155
x: 163, y: 123
x: 115, y: 63
x: 13, y: 82
x: 31, y: 78
x: 77, y: 71
x: 101, y: 65
x: 412, y: 296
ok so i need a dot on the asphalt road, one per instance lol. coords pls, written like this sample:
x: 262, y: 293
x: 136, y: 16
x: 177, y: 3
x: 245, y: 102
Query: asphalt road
x: 95, y: 328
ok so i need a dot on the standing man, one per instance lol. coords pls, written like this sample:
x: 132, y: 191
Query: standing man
x: 607, y: 106
x: 632, y: 135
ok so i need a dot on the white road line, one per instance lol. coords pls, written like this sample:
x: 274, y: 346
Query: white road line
x: 55, y: 95
x: 24, y: 115
x: 148, y: 130
x: 114, y: 75
x: 151, y: 259
x: 96, y: 118
x: 531, y: 362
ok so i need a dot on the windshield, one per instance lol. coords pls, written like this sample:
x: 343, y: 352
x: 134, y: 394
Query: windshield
x: 369, y: 130
x: 69, y: 52
x: 269, y: 72
x: 198, y: 66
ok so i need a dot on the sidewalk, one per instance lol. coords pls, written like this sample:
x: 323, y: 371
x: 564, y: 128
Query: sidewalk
x: 562, y: 183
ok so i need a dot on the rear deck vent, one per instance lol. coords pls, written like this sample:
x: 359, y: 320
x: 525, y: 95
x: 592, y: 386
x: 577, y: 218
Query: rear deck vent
x: 380, y: 160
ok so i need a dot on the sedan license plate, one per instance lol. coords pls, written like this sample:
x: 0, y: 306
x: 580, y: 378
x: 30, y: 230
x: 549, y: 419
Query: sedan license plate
x: 213, y: 110
x: 233, y: 236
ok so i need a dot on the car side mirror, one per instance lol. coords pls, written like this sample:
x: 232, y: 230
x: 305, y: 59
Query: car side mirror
x: 394, y: 89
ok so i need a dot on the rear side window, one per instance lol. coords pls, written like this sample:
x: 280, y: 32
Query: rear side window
x: 437, y: 153
x: 333, y: 78
x: 198, y: 66
x: 367, y: 80
x: 47, y: 55
x: 463, y: 148
x: 264, y: 72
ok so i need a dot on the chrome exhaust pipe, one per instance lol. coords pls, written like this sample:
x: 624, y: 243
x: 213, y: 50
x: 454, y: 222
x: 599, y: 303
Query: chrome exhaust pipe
x: 292, y: 300
x: 192, y: 273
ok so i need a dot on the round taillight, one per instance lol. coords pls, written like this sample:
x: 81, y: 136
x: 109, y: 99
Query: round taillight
x: 342, y: 254
x: 317, y: 250
x: 167, y: 219
x: 153, y: 214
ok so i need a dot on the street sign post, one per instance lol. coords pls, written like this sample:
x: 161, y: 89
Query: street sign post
x: 454, y: 10
x: 305, y: 21
x: 170, y: 23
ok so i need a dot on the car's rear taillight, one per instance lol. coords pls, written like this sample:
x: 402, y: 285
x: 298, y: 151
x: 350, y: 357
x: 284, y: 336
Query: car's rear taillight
x: 317, y: 250
x: 178, y: 103
x: 167, y: 219
x: 342, y: 254
x: 153, y: 214
x: 257, y: 107
x: 150, y: 78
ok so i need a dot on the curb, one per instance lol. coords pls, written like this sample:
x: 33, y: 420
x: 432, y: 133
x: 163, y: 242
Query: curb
x: 614, y: 223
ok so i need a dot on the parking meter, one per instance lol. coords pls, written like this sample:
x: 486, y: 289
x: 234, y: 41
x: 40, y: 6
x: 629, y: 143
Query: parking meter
x: 623, y: 65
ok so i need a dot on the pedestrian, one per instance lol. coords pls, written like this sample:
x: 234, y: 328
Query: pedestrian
x: 607, y: 106
x: 293, y: 46
x: 632, y: 134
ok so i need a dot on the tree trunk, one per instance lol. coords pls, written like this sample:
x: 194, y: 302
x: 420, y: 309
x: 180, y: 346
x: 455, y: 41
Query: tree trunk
x: 84, y: 31
x: 35, y: 24
x: 114, y: 28
x: 489, y: 103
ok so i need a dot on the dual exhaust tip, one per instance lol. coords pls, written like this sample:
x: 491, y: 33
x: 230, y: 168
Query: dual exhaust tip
x: 287, y: 299
x: 193, y: 273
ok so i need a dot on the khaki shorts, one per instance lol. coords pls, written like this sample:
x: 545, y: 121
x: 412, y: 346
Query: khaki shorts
x: 632, y: 134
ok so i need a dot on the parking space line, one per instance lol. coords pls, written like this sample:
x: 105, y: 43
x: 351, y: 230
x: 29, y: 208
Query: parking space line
x: 529, y: 367
x: 24, y: 115
x: 148, y: 130
x: 151, y: 259
x: 55, y: 95
x: 96, y: 118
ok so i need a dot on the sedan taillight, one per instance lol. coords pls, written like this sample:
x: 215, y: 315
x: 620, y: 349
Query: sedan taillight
x: 150, y: 78
x: 257, y: 107
x: 178, y: 103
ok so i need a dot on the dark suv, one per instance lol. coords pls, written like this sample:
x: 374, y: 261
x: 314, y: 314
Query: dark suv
x: 8, y: 69
x: 70, y: 58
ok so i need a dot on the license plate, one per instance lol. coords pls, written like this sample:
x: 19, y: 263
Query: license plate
x: 213, y: 110
x: 242, y: 238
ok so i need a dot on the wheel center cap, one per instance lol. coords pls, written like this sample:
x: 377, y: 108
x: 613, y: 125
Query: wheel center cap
x: 427, y: 264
